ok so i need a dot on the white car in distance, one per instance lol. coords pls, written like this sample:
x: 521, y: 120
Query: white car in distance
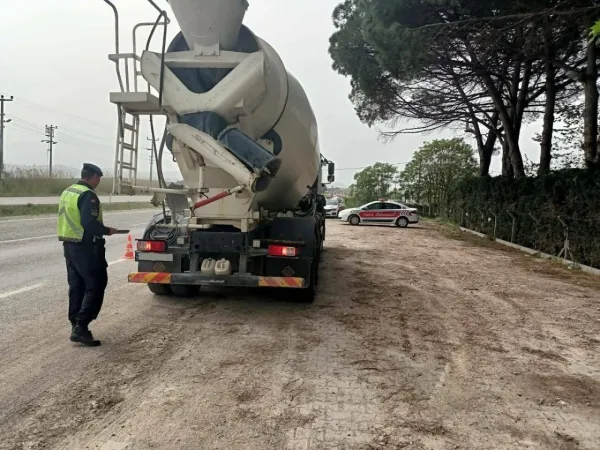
x: 379, y: 212
x: 334, y: 207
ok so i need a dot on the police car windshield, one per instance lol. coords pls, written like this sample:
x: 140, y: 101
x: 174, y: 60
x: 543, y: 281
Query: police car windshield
x: 332, y: 201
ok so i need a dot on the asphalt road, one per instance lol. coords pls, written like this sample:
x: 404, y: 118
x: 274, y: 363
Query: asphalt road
x: 55, y: 200
x: 32, y: 268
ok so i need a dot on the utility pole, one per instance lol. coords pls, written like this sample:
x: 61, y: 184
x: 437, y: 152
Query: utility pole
x: 2, y: 122
x: 50, y: 141
x: 152, y: 149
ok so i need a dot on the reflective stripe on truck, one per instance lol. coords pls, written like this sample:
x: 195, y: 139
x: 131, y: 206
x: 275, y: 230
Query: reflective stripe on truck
x: 237, y: 280
x: 150, y: 277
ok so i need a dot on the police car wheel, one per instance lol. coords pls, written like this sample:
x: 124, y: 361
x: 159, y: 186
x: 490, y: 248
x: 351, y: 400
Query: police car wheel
x: 402, y: 222
x: 354, y: 220
x: 160, y: 289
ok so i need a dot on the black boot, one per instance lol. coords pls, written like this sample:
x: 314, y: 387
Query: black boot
x: 73, y: 324
x: 84, y: 336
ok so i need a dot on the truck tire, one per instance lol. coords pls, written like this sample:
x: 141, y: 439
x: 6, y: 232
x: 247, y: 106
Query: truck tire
x: 307, y: 295
x: 320, y: 240
x: 402, y: 222
x: 184, y: 290
x: 160, y: 289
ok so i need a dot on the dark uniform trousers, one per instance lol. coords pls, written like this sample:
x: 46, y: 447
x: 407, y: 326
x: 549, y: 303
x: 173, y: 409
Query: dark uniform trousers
x: 87, y: 276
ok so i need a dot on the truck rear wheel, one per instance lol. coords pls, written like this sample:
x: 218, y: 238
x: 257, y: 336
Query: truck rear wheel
x: 184, y: 290
x: 160, y: 289
x: 307, y: 295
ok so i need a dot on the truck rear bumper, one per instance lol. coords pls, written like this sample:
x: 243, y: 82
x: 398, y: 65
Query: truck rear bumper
x: 198, y: 279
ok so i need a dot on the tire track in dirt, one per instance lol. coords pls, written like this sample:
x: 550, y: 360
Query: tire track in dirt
x: 97, y: 394
x: 448, y: 346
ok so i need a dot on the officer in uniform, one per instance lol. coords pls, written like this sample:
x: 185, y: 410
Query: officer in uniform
x: 81, y: 230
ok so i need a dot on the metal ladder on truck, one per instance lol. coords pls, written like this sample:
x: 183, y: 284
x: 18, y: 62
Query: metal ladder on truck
x: 132, y: 103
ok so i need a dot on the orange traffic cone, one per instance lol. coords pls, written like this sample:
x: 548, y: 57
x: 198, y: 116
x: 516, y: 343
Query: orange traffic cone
x: 129, y: 249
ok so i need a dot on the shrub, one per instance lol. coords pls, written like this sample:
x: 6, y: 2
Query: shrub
x: 537, y: 203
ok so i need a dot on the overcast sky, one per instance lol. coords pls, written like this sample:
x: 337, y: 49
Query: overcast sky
x: 53, y: 59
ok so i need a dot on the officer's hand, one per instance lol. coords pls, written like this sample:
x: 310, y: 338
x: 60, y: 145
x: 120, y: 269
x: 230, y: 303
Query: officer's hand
x: 111, y: 231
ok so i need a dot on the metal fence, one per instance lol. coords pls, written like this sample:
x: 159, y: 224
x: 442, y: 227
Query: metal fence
x: 574, y: 239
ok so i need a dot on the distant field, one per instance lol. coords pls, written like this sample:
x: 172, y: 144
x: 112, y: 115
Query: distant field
x: 35, y: 210
x: 34, y: 182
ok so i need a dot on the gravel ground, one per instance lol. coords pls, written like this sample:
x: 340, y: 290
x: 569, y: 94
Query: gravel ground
x: 420, y: 338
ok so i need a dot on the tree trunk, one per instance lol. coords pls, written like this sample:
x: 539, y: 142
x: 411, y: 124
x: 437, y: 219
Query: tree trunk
x: 507, y: 167
x: 522, y: 97
x: 548, y: 127
x: 485, y: 160
x: 590, y: 114
x: 485, y: 154
x: 511, y: 136
x: 487, y: 150
x: 546, y: 142
x: 515, y: 154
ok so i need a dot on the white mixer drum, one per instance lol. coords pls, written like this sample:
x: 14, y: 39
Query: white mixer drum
x: 283, y: 116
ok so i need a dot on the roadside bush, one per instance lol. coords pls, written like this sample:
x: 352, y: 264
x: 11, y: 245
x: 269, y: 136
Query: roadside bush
x: 537, y: 205
x: 429, y: 211
x: 33, y: 182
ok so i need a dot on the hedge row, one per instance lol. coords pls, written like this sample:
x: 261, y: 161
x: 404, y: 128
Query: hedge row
x: 536, y: 205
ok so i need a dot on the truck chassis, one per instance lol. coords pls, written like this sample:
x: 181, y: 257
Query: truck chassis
x: 281, y: 252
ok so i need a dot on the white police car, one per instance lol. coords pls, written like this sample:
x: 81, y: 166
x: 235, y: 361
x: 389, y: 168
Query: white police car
x: 381, y: 211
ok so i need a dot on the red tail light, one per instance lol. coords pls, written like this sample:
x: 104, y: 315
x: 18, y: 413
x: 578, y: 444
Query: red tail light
x: 280, y: 250
x: 152, y: 246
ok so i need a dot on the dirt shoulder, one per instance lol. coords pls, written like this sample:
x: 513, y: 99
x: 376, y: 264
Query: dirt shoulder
x: 419, y: 339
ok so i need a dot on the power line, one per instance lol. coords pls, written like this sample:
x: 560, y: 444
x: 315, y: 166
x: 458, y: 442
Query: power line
x: 89, y: 135
x: 33, y: 105
x: 152, y: 151
x: 50, y: 141
x: 2, y: 122
x: 36, y: 126
x: 65, y: 139
x: 366, y: 167
x: 31, y: 127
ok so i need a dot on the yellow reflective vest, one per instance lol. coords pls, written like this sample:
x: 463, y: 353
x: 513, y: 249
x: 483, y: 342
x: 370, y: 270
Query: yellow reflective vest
x: 69, y: 216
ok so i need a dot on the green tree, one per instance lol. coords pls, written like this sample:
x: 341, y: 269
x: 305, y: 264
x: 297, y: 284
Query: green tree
x: 376, y: 181
x: 434, y: 171
x: 489, y: 66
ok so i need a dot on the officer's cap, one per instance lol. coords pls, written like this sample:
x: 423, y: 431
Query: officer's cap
x: 93, y: 169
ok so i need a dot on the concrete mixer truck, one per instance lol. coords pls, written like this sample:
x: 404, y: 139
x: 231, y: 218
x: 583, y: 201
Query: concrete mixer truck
x: 250, y: 212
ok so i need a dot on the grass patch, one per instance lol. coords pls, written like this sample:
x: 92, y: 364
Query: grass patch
x: 35, y: 210
x: 32, y: 182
